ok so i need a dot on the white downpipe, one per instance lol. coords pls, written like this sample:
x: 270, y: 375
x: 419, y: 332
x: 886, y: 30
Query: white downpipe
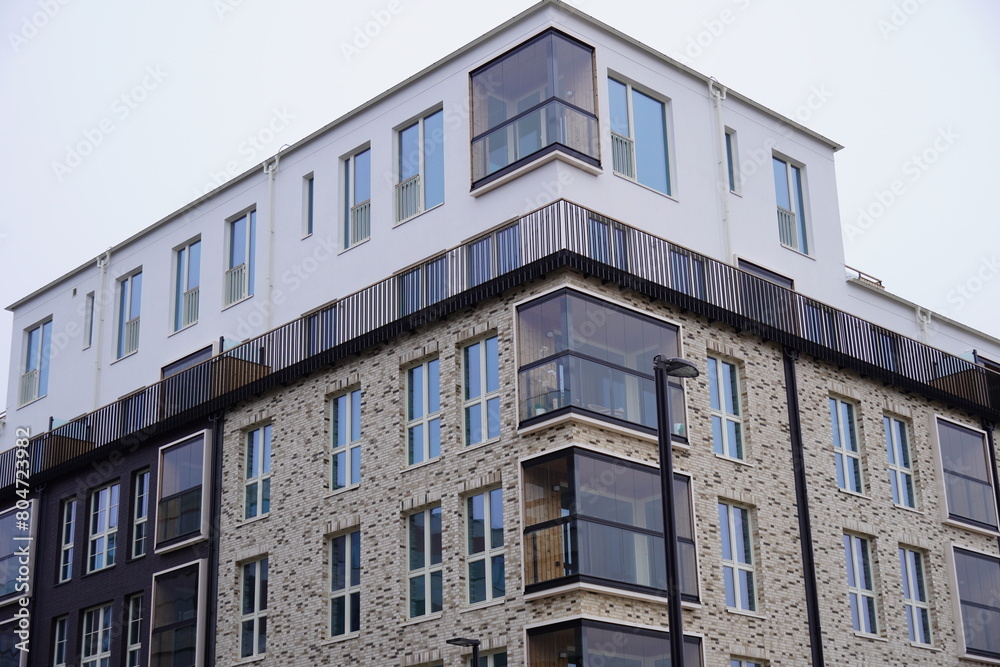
x: 718, y: 93
x: 270, y: 168
x: 99, y: 304
x: 924, y: 317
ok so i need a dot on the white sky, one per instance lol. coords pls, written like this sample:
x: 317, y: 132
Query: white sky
x: 887, y: 79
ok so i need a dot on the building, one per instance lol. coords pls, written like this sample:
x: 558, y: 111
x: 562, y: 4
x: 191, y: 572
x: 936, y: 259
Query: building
x: 351, y: 439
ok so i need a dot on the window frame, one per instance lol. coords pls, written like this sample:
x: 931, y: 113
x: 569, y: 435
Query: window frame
x: 105, y: 625
x: 424, y: 422
x: 350, y: 592
x: 490, y: 552
x: 421, y: 206
x: 947, y: 515
x: 169, y: 544
x: 201, y: 566
x: 133, y: 630
x: 490, y: 659
x: 913, y: 605
x: 631, y: 89
x: 957, y: 602
x: 308, y: 204
x: 854, y: 557
x: 140, y: 513
x: 732, y: 150
x: 246, y: 288
x: 257, y: 616
x: 429, y: 568
x: 798, y: 198
x: 109, y: 534
x: 67, y: 539
x: 351, y: 449
x: 88, y: 320
x: 737, y: 566
x: 257, y: 450
x: 41, y: 360
x: 842, y: 455
x: 126, y: 294
x: 485, y: 395
x: 60, y: 641
x: 897, y: 450
x: 350, y: 180
x: 182, y: 279
x: 724, y: 417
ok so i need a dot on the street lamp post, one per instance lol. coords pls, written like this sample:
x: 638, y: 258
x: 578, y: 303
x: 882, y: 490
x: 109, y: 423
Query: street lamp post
x: 663, y: 369
x: 466, y: 643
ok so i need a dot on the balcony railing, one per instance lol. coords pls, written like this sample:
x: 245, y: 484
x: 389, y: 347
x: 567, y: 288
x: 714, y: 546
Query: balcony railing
x: 189, y: 307
x: 408, y: 199
x: 623, y: 155
x: 787, y: 231
x: 559, y: 235
x: 361, y: 222
x: 236, y: 284
x: 29, y: 387
x: 131, y: 342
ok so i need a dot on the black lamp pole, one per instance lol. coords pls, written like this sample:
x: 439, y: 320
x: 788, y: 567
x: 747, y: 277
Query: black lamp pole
x: 466, y: 643
x: 663, y: 369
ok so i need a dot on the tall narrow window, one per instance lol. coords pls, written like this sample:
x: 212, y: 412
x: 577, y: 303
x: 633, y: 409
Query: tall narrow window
x: 103, y: 528
x: 420, y: 166
x: 732, y: 160
x: 258, y: 472
x: 423, y: 412
x: 847, y: 456
x: 345, y: 587
x: 482, y: 391
x: 239, y: 279
x: 88, y: 321
x: 724, y: 395
x: 915, y: 601
x: 978, y: 578
x: 140, y: 514
x: 179, y: 511
x: 860, y: 584
x: 60, y: 634
x: 791, y: 205
x: 639, y: 137
x: 133, y: 650
x: 357, y: 198
x: 308, y: 201
x: 897, y: 447
x: 129, y: 302
x: 424, y: 538
x: 35, y: 378
x: 346, y: 439
x: 67, y: 535
x: 96, y: 637
x: 253, y: 618
x: 485, y: 541
x: 175, y: 608
x: 187, y: 283
x: 968, y: 480
x: 737, y: 557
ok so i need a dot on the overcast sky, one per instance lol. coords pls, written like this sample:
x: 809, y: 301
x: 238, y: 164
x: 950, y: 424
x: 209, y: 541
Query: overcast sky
x: 116, y: 113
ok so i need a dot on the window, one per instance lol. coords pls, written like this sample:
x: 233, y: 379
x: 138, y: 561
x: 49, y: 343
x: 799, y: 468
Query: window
x: 308, y: 201
x: 424, y: 530
x: 239, y: 279
x: 35, y: 378
x: 88, y: 321
x: 253, y: 619
x: 897, y: 447
x: 177, y: 608
x: 639, y: 136
x: 537, y: 97
x: 492, y: 660
x: 732, y: 162
x: 420, y: 165
x: 357, y: 198
x: 423, y: 412
x: 724, y: 396
x: 918, y: 612
x: 59, y: 639
x: 847, y: 456
x: 129, y: 302
x: 481, y: 365
x: 586, y: 643
x: 791, y: 205
x: 179, y: 512
x: 860, y: 584
x: 967, y: 478
x: 346, y: 439
x: 978, y: 582
x: 735, y: 662
x: 140, y: 514
x: 580, y: 354
x: 258, y: 472
x: 484, y: 523
x: 96, y: 637
x: 187, y: 264
x: 594, y: 518
x: 133, y: 649
x: 8, y: 551
x: 67, y: 532
x: 103, y: 528
x: 737, y: 557
x: 345, y: 588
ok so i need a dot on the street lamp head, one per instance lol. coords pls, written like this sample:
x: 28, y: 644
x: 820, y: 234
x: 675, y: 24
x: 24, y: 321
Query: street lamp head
x: 676, y: 367
x: 462, y: 641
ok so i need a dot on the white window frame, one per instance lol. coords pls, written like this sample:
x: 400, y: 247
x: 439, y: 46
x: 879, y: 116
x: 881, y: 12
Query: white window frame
x: 182, y: 286
x: 258, y: 615
x: 841, y: 437
x: 946, y: 513
x: 230, y: 296
x: 732, y: 150
x: 800, y: 219
x: 30, y: 386
x: 740, y: 662
x: 915, y: 600
x: 200, y: 622
x: 308, y: 204
x: 109, y: 535
x: 350, y: 182
x: 958, y: 602
x: 484, y: 397
x: 855, y: 558
x: 489, y: 552
x: 735, y: 564
x: 140, y: 513
x: 490, y: 659
x: 60, y: 644
x: 350, y: 589
x: 899, y: 472
x: 419, y: 179
x: 133, y: 637
x: 424, y: 421
x: 88, y: 320
x: 429, y: 568
x: 257, y: 450
x: 206, y: 479
x: 102, y: 615
x: 351, y: 449
x: 125, y: 319
x: 67, y: 539
x: 631, y: 89
x: 723, y: 370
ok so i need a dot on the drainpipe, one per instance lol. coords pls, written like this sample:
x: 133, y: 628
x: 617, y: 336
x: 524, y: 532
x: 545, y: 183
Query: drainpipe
x: 270, y: 168
x: 923, y: 318
x: 102, y: 264
x: 718, y: 93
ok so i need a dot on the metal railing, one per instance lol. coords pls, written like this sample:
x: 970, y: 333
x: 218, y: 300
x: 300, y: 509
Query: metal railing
x: 361, y: 222
x: 408, y: 199
x: 561, y: 234
x: 131, y: 342
x: 623, y: 155
x: 29, y: 387
x: 855, y: 274
x: 787, y: 231
x: 189, y: 307
x: 236, y: 284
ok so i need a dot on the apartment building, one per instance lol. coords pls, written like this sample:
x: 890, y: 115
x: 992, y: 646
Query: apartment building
x: 356, y: 438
